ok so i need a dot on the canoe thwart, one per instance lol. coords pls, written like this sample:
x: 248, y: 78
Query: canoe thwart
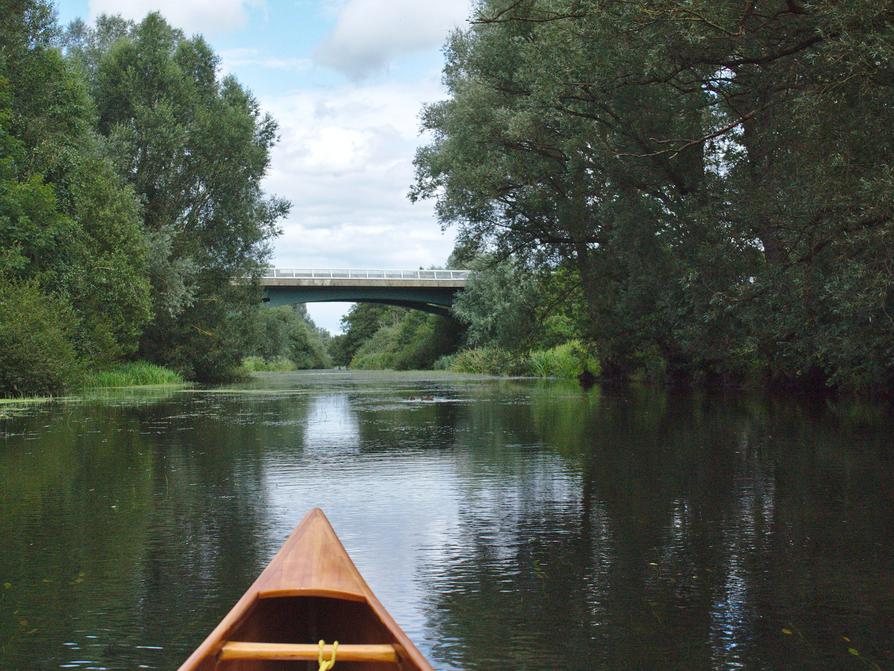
x: 307, y: 651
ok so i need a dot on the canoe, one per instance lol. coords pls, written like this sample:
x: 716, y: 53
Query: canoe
x: 310, y: 592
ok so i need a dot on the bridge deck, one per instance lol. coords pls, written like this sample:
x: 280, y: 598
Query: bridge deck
x: 447, y: 279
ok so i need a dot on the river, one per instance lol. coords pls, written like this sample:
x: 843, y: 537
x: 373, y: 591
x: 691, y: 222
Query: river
x: 506, y: 524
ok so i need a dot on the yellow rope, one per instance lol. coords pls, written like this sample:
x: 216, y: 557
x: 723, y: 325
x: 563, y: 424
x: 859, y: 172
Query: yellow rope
x: 325, y: 665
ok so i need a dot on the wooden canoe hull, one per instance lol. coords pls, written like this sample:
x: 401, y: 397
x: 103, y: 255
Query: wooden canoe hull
x: 310, y: 591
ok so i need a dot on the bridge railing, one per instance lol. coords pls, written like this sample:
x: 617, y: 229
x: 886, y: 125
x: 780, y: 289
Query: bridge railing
x: 307, y: 274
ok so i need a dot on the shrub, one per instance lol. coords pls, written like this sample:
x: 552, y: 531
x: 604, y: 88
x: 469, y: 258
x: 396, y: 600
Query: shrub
x: 488, y: 361
x: 257, y: 364
x: 372, y: 361
x: 36, y: 353
x: 407, y: 340
x: 444, y: 362
x: 567, y: 360
x: 286, y: 333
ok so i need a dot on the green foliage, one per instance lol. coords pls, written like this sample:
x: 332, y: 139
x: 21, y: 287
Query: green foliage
x: 130, y: 190
x: 36, y: 353
x: 194, y: 149
x: 724, y: 201
x: 568, y: 360
x: 67, y: 220
x: 500, y: 305
x: 444, y: 362
x: 378, y: 352
x: 286, y: 333
x: 257, y: 364
x: 382, y: 337
x: 134, y: 374
x: 109, y: 288
x: 508, y: 306
x: 488, y: 361
x: 359, y: 325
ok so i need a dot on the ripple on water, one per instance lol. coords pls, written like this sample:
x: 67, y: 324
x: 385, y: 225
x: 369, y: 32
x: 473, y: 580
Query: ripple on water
x: 505, y: 525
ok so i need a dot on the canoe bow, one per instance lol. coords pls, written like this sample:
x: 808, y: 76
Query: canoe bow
x: 310, y: 588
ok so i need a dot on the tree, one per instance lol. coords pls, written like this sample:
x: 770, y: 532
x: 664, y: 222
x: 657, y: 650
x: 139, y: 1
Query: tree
x: 195, y: 149
x: 381, y: 336
x: 36, y: 352
x: 359, y: 324
x: 500, y: 305
x: 288, y: 332
x: 710, y: 169
x: 67, y: 221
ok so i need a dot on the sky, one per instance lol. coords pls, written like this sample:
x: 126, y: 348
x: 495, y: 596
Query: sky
x: 346, y: 80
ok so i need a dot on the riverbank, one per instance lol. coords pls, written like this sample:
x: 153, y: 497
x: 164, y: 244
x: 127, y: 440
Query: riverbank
x: 257, y: 364
x: 133, y: 374
x: 570, y: 360
x: 126, y: 375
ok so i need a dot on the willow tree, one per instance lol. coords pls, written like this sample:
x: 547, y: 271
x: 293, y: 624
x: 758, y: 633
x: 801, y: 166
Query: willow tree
x: 195, y: 149
x: 720, y: 173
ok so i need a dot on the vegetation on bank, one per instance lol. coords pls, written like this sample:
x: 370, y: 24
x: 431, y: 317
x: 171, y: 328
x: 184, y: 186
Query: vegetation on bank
x: 130, y: 200
x: 508, y: 323
x: 132, y: 374
x: 568, y: 360
x: 286, y: 338
x: 717, y: 184
x: 258, y: 364
x: 693, y: 202
x: 385, y: 337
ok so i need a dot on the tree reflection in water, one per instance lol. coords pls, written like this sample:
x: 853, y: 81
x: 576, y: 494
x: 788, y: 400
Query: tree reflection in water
x: 505, y: 524
x: 675, y: 532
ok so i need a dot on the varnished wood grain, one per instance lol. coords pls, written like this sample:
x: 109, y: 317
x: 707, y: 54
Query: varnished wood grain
x: 307, y: 651
x: 311, y: 590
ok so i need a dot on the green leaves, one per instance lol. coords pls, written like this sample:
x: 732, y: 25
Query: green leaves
x: 130, y: 189
x: 719, y: 178
x: 194, y: 150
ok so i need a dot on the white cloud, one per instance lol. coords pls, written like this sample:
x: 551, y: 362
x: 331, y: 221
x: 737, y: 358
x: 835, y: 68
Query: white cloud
x: 345, y: 161
x: 233, y: 58
x: 369, y: 34
x: 193, y: 16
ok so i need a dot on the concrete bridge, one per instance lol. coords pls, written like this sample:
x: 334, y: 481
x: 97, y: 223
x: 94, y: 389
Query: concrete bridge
x: 428, y: 290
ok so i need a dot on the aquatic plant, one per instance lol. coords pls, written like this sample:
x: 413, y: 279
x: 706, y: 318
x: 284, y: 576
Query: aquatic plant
x: 136, y: 373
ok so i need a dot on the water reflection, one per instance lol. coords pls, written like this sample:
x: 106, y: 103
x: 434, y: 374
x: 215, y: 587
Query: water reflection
x: 504, y: 524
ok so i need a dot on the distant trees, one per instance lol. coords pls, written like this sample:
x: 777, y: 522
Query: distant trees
x: 287, y: 332
x: 129, y: 196
x: 717, y: 173
x: 381, y: 336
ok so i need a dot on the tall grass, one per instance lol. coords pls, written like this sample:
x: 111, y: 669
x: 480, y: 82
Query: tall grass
x: 135, y: 374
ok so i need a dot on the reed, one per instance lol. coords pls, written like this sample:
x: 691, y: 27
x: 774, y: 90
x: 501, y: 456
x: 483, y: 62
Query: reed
x: 134, y: 374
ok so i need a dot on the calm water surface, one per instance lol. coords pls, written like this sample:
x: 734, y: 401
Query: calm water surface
x: 505, y: 524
